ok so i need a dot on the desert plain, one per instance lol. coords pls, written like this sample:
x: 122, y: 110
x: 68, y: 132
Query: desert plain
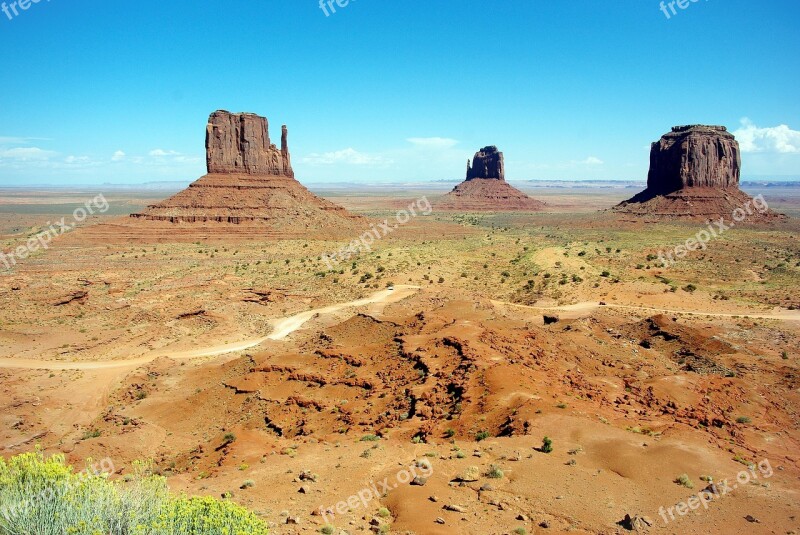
x: 244, y: 365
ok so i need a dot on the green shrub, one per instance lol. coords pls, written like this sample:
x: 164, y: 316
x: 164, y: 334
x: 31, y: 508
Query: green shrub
x: 684, y: 480
x: 495, y: 472
x: 483, y: 435
x: 547, y: 445
x: 45, y: 496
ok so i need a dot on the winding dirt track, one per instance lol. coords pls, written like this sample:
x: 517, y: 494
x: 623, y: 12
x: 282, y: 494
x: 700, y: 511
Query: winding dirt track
x: 588, y: 307
x: 281, y: 328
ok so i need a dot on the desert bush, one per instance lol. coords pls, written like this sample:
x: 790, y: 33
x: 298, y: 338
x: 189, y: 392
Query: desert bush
x: 547, y: 445
x: 684, y: 480
x: 45, y: 497
x: 495, y: 472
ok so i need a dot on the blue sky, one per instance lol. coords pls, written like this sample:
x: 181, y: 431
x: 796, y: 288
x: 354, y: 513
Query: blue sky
x: 119, y: 92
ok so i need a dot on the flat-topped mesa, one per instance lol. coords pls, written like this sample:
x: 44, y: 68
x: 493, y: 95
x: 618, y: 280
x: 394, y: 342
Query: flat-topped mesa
x: 239, y: 143
x: 694, y: 156
x: 487, y: 163
x: 694, y: 174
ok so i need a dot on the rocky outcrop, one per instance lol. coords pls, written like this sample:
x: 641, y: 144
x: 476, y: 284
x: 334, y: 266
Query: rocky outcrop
x: 487, y: 163
x: 239, y: 143
x: 694, y: 156
x: 694, y: 174
x: 486, y: 189
x: 249, y: 180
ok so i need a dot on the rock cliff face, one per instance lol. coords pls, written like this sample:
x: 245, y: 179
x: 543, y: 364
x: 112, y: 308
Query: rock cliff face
x: 694, y: 156
x: 694, y: 174
x: 487, y: 163
x: 249, y: 181
x: 239, y: 143
x: 486, y: 189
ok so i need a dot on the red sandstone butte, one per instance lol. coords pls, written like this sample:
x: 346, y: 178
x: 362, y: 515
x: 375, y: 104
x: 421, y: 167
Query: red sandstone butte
x: 694, y: 174
x: 486, y: 189
x: 249, y: 180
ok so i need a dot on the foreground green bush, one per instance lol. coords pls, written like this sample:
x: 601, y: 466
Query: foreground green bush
x: 41, y: 496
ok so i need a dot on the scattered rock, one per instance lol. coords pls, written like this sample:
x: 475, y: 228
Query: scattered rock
x: 307, y: 475
x: 79, y: 296
x: 635, y: 523
x: 419, y: 481
x: 469, y: 475
x: 455, y: 508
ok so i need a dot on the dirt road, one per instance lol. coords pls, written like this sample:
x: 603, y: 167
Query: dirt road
x: 281, y: 328
x: 587, y: 307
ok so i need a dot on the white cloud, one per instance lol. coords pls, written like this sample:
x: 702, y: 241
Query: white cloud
x: 27, y: 154
x: 160, y: 153
x: 348, y: 156
x: 79, y: 160
x: 591, y: 161
x: 776, y: 139
x: 16, y: 140
x: 161, y: 157
x: 433, y: 143
x: 118, y: 156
